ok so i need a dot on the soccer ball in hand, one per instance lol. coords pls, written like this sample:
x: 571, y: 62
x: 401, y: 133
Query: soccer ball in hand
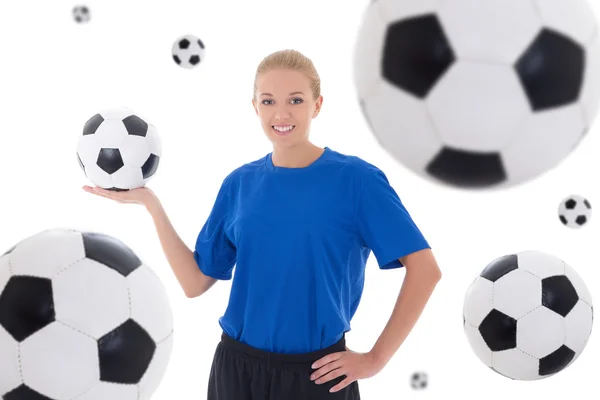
x: 528, y: 316
x: 478, y: 93
x: 574, y: 211
x: 119, y: 150
x: 81, y: 317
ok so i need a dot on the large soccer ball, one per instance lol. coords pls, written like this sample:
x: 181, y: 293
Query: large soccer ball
x: 119, y: 150
x: 528, y: 316
x: 81, y: 317
x: 478, y: 93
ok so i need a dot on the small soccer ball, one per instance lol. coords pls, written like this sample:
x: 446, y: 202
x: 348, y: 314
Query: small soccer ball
x: 188, y: 51
x: 575, y: 211
x: 528, y: 316
x: 119, y: 150
x: 419, y: 380
x: 81, y: 14
x: 475, y: 94
x: 81, y: 317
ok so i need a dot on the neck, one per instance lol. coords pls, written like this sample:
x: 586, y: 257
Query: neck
x: 299, y: 156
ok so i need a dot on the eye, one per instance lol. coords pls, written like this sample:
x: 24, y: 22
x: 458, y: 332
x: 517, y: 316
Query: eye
x: 297, y: 100
x: 266, y: 102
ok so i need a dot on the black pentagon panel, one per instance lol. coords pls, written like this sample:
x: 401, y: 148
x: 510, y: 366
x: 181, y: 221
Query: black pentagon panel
x: 200, y: 44
x: 581, y: 220
x: 499, y: 331
x: 26, y: 306
x: 150, y: 166
x: 176, y: 59
x: 467, y: 169
x: 24, y: 393
x: 184, y: 44
x: 116, y: 189
x: 125, y: 354
x: 111, y: 252
x: 570, y: 204
x: 500, y: 267
x: 587, y: 204
x: 92, y: 124
x: 416, y: 54
x: 110, y: 160
x: 195, y: 59
x: 135, y: 126
x: 558, y: 294
x: 551, y: 70
x: 556, y: 361
x: 563, y: 219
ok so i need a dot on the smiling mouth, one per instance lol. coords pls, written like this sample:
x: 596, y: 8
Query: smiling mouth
x: 283, y: 129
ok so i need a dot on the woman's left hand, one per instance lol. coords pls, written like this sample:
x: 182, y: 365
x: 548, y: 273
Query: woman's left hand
x: 350, y: 363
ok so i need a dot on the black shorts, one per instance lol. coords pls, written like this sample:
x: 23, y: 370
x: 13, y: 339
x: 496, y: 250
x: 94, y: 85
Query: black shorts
x: 243, y: 372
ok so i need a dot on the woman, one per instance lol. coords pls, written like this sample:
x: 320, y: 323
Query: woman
x: 299, y: 225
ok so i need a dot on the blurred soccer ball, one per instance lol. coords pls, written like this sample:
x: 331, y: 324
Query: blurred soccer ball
x: 119, y: 150
x: 478, y: 93
x: 81, y: 14
x: 188, y: 51
x: 575, y: 211
x: 419, y: 380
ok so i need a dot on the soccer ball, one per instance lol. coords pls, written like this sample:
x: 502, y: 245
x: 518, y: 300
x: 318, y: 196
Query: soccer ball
x: 574, y: 211
x: 119, y: 150
x: 188, y: 51
x: 419, y: 380
x: 81, y: 317
x: 81, y: 14
x: 478, y: 94
x: 528, y: 316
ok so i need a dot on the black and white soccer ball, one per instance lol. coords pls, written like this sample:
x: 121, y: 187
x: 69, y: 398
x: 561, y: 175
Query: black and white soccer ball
x: 188, y: 51
x: 478, y: 93
x: 81, y: 14
x: 419, y: 380
x: 575, y: 211
x: 119, y: 150
x: 528, y: 316
x: 81, y: 317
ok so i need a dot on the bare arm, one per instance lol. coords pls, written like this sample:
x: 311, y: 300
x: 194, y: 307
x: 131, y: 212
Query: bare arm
x: 181, y: 259
x: 422, y: 275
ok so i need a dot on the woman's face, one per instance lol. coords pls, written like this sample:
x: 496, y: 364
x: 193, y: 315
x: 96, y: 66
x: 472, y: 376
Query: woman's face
x: 284, y: 103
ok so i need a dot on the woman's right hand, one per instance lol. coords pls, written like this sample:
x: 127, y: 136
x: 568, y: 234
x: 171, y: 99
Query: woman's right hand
x: 142, y: 195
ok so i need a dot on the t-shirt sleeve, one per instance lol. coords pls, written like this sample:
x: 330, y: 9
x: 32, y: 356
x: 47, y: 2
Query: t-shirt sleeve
x: 214, y: 253
x: 384, y: 224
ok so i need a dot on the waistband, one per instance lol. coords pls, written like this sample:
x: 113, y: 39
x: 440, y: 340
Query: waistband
x: 283, y: 358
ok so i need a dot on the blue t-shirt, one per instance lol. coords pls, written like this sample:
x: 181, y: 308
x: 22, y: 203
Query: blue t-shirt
x: 299, y: 239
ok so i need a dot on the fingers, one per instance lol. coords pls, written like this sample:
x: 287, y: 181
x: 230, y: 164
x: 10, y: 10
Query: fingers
x: 109, y: 194
x: 325, y: 369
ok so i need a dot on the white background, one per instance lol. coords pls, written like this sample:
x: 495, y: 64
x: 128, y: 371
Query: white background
x: 55, y: 74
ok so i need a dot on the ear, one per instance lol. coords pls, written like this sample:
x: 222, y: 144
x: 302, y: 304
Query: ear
x: 254, y: 105
x: 318, y: 105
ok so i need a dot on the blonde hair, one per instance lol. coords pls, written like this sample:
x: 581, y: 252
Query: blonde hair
x: 291, y: 60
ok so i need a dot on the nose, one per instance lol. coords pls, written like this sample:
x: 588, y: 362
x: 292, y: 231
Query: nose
x: 282, y: 112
